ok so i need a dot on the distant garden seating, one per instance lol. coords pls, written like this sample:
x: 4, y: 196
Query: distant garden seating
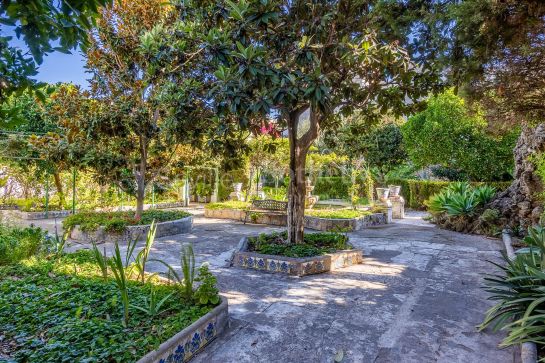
x: 269, y: 205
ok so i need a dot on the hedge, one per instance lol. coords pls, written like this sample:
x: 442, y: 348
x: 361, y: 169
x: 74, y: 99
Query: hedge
x: 332, y: 187
x: 415, y: 192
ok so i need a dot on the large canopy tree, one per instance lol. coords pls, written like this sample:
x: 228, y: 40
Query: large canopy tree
x: 306, y: 63
x: 45, y: 26
x: 123, y: 130
x: 497, y: 57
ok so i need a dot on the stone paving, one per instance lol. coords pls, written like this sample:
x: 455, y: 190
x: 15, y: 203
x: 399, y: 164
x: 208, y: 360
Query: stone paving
x: 416, y: 298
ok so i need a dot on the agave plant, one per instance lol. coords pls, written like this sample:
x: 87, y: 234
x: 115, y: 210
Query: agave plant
x: 536, y: 239
x: 461, y: 204
x: 484, y: 194
x: 520, y: 292
x: 437, y: 202
x: 459, y: 188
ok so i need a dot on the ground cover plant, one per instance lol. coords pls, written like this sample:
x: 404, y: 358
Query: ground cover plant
x: 337, y: 213
x: 314, y: 244
x: 117, y: 221
x: 66, y: 309
x: 19, y: 243
x: 230, y: 204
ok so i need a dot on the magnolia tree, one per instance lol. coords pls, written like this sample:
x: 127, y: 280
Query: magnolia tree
x: 305, y: 63
x: 124, y: 130
x: 309, y: 63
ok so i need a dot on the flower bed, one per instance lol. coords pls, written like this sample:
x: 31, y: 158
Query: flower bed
x: 109, y: 227
x: 320, y: 220
x: 64, y: 310
x: 321, y: 252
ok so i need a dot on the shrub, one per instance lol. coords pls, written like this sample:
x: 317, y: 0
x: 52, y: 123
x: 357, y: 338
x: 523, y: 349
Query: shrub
x: 336, y: 213
x: 314, y: 244
x: 460, y: 199
x: 118, y: 221
x: 520, y: 293
x: 231, y: 204
x: 417, y: 192
x: 332, y: 187
x: 19, y: 243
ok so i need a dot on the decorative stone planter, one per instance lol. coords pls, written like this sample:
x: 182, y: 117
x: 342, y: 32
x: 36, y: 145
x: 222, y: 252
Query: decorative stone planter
x: 292, y: 265
x: 168, y: 228
x: 316, y: 223
x: 382, y: 193
x: 184, y: 345
x: 394, y: 190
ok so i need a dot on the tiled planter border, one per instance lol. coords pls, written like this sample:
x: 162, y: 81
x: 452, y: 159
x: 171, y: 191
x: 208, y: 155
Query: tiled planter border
x: 168, y: 228
x: 292, y: 265
x: 184, y: 345
x: 316, y: 223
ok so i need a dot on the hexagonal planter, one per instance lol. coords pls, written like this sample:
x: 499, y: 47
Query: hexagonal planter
x: 295, y: 266
x: 184, y: 345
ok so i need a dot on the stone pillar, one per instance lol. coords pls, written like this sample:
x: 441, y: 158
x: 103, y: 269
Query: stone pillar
x: 398, y: 207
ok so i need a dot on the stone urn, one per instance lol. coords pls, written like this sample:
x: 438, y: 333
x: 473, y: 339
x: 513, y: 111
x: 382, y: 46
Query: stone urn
x: 382, y: 194
x: 394, y: 190
x: 310, y: 200
x: 236, y: 194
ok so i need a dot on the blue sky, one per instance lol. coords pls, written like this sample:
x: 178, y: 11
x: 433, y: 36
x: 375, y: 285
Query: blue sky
x: 56, y: 67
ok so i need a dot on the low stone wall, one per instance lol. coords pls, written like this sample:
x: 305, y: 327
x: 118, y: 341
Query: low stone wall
x: 292, y: 265
x: 184, y: 345
x: 169, y: 228
x: 167, y: 205
x: 316, y: 223
x: 39, y: 215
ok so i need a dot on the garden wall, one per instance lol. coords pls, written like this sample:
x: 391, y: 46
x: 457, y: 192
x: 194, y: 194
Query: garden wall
x: 416, y: 192
x: 169, y: 228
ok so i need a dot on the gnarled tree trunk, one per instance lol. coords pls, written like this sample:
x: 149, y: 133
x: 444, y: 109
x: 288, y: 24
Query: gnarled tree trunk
x: 299, y: 147
x: 520, y: 205
x: 60, y: 191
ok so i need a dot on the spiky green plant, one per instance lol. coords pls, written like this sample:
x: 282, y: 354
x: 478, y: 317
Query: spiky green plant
x: 520, y: 294
x: 460, y: 204
x: 536, y: 239
x: 188, y: 271
x: 484, y: 194
x: 121, y: 279
x: 142, y: 257
x: 459, y: 187
x: 152, y: 305
x: 101, y: 260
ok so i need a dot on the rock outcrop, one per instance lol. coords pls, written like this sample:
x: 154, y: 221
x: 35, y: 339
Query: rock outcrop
x: 522, y: 204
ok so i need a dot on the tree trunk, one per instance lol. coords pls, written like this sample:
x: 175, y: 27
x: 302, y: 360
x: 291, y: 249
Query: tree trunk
x: 520, y: 205
x: 60, y: 191
x: 140, y: 175
x: 296, y: 192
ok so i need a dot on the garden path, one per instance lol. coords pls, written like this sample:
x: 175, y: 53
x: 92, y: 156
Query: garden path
x: 416, y: 298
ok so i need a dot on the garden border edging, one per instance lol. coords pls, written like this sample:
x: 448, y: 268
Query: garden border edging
x: 311, y: 222
x: 167, y: 228
x: 294, y: 266
x: 185, y: 344
x: 528, y: 350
